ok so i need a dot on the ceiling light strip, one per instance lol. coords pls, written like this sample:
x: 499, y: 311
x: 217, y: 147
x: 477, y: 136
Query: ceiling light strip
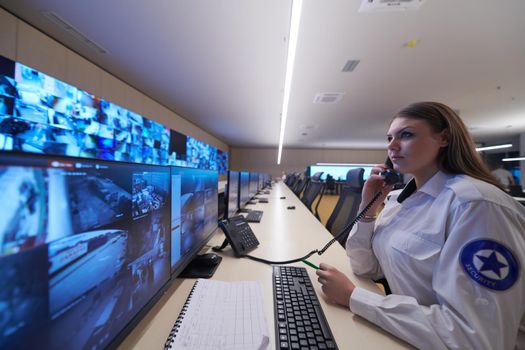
x: 290, y: 62
x: 512, y: 159
x: 507, y: 145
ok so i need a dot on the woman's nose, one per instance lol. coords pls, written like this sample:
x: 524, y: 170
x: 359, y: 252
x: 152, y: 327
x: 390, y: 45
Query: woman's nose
x: 393, y: 144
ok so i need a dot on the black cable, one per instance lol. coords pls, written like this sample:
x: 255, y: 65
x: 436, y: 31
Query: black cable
x: 332, y: 241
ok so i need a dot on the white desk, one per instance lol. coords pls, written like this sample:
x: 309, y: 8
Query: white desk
x: 283, y: 234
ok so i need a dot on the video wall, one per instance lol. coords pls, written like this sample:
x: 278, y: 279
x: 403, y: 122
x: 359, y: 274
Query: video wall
x: 40, y: 114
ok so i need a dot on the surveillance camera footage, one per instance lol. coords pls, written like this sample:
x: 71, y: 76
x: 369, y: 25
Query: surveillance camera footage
x: 196, y: 218
x: 76, y: 259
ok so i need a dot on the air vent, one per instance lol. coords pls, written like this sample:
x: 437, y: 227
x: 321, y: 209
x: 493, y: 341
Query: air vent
x: 350, y: 65
x: 69, y: 28
x: 389, y: 5
x: 328, y: 97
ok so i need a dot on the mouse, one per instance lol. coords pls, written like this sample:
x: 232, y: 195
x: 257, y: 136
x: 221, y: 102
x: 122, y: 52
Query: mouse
x: 208, y: 259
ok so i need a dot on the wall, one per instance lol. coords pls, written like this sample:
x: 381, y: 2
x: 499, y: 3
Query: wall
x: 292, y: 160
x: 21, y: 42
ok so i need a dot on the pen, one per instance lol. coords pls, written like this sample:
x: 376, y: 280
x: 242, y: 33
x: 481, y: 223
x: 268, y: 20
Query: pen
x: 310, y: 264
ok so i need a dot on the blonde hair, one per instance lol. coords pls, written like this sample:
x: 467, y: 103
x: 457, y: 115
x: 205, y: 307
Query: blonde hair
x: 460, y: 155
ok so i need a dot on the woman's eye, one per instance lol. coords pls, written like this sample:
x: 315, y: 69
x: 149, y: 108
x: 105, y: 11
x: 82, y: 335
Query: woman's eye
x: 406, y: 135
x: 389, y: 138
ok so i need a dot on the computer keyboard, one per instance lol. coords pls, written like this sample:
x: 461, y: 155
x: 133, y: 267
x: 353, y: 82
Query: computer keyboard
x: 299, y: 320
x: 254, y: 216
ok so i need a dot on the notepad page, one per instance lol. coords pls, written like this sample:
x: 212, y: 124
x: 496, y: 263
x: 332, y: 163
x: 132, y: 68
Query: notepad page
x: 224, y: 315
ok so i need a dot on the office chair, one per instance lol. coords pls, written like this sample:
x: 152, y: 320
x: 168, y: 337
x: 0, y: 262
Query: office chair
x: 311, y: 192
x: 347, y: 205
x: 291, y: 179
x: 516, y: 191
x: 300, y: 186
x: 330, y: 184
x: 317, y: 176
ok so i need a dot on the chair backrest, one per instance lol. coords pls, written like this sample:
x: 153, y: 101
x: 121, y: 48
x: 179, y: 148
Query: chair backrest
x: 516, y: 191
x: 300, y: 186
x: 291, y: 179
x: 348, y: 204
x: 330, y: 183
x: 317, y: 176
x: 311, y: 192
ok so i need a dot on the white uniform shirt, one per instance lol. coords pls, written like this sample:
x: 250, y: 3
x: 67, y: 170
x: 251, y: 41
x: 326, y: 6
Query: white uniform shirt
x: 453, y: 253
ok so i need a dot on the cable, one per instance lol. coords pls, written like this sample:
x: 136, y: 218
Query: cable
x: 332, y: 241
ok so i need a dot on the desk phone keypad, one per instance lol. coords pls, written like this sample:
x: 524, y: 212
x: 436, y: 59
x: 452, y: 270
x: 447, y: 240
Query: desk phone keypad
x: 247, y: 239
x: 299, y: 320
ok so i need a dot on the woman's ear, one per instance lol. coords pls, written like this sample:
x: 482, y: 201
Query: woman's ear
x: 443, y: 138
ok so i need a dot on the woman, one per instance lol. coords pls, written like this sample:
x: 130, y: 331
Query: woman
x: 451, y: 244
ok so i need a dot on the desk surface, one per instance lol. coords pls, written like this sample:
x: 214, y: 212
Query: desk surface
x: 283, y: 234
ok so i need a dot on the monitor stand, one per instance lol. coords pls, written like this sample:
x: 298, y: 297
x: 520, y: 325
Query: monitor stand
x: 202, y: 266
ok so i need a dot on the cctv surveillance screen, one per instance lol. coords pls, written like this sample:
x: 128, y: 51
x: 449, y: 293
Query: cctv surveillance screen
x: 84, y: 246
x: 244, y: 188
x: 233, y: 193
x: 194, y: 212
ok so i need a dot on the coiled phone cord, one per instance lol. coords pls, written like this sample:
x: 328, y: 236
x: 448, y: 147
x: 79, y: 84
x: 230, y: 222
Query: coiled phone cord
x: 332, y: 241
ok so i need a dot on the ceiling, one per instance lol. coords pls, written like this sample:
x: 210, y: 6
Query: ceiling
x: 221, y: 64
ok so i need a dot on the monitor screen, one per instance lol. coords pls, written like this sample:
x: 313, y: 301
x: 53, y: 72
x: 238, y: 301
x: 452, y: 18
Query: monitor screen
x: 222, y: 161
x: 338, y: 172
x: 233, y: 193
x: 84, y: 247
x: 194, y: 213
x: 199, y: 154
x: 177, y: 148
x: 254, y: 183
x: 244, y: 189
x: 261, y: 181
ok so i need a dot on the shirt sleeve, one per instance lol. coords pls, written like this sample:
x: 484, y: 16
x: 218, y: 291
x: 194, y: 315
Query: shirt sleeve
x: 359, y: 250
x: 470, y: 313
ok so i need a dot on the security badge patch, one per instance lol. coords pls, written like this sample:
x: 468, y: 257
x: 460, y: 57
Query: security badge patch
x: 490, y: 264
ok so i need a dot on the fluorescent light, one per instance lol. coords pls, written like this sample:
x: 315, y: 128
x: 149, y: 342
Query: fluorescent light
x: 290, y: 62
x: 512, y: 159
x: 507, y: 145
x: 345, y: 164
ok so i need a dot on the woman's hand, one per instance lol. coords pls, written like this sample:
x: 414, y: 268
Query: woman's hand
x: 335, y: 285
x: 374, y: 184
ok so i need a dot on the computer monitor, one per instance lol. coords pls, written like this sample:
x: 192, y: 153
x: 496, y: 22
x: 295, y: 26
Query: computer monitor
x: 194, y: 213
x: 261, y: 181
x: 84, y: 249
x: 232, y: 193
x: 254, y: 183
x: 244, y: 189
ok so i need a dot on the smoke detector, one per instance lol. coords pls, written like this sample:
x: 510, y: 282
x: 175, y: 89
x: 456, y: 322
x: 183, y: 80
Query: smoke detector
x: 389, y: 5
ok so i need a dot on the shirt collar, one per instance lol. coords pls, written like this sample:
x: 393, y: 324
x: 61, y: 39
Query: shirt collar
x: 432, y: 187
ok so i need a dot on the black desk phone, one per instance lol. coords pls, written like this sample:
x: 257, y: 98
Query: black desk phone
x: 239, y: 235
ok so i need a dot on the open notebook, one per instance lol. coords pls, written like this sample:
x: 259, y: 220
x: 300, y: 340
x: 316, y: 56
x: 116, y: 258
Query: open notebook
x: 221, y: 315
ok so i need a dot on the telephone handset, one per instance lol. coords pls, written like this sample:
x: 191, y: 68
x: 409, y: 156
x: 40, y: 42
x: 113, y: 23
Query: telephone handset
x: 239, y: 235
x: 391, y: 176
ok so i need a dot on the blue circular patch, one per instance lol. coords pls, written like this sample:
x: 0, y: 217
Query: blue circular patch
x: 490, y: 264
